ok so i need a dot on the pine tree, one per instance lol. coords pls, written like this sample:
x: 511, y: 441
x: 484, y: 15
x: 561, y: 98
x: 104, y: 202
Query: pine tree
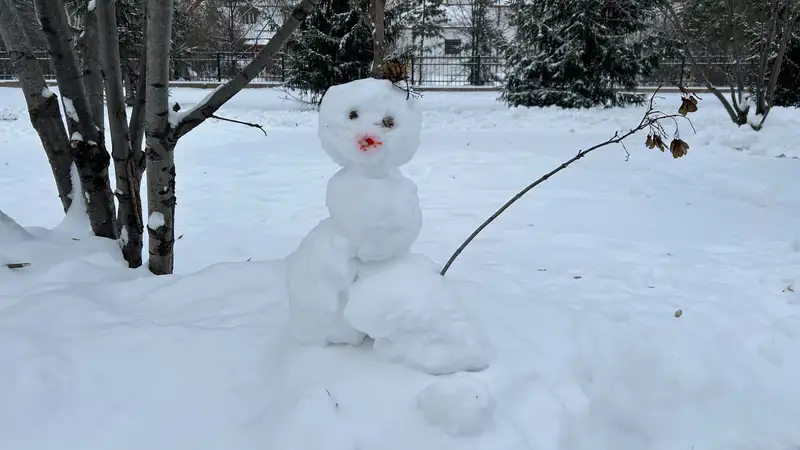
x: 788, y: 90
x: 334, y: 46
x: 577, y: 53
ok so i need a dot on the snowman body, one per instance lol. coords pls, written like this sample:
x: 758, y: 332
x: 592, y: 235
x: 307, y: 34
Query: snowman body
x: 354, y: 274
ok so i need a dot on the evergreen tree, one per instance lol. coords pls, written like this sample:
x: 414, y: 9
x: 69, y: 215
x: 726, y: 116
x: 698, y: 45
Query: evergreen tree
x: 577, y: 53
x: 788, y: 90
x: 334, y: 46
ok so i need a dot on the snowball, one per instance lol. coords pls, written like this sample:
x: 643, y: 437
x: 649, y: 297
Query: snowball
x: 353, y: 111
x: 380, y: 216
x: 319, y: 275
x: 47, y: 93
x: 415, y: 317
x: 69, y: 109
x: 156, y: 220
x: 460, y: 404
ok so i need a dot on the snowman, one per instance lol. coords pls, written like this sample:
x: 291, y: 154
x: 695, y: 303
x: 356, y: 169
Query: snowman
x: 353, y: 275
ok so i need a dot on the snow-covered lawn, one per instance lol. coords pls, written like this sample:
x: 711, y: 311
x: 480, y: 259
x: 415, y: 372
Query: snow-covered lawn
x: 577, y: 285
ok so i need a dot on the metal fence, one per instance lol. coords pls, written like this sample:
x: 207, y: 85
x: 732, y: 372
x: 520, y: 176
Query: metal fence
x: 428, y: 71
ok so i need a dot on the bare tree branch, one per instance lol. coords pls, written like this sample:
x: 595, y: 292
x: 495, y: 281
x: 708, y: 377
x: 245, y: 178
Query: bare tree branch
x: 649, y: 120
x: 684, y: 38
x: 43, y: 109
x: 129, y: 220
x: 249, y: 124
x: 205, y: 109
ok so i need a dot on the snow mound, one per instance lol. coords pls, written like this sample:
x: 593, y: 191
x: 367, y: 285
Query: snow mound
x: 460, y: 404
x: 416, y: 318
x: 76, y: 222
x: 351, y: 112
x: 11, y: 231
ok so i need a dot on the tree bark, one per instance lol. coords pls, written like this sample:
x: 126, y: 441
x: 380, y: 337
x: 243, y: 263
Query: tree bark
x: 160, y: 146
x: 128, y: 178
x: 378, y: 36
x: 89, y: 45
x: 30, y: 23
x: 42, y: 104
x: 88, y: 150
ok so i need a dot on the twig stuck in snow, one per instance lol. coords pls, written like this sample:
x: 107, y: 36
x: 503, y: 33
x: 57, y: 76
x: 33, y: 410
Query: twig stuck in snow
x: 17, y: 265
x: 254, y: 125
x: 651, y: 121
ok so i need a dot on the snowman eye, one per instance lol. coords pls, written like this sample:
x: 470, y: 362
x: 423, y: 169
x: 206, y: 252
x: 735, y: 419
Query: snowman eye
x: 353, y: 115
x: 388, y: 122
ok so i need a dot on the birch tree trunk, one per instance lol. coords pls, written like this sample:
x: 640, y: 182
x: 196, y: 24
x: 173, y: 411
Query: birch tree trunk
x: 88, y: 150
x: 43, y: 109
x: 26, y: 9
x: 89, y: 44
x: 128, y: 176
x: 162, y: 135
x: 160, y: 148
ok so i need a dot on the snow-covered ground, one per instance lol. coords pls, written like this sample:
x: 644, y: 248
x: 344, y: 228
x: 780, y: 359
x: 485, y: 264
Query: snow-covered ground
x: 577, y: 285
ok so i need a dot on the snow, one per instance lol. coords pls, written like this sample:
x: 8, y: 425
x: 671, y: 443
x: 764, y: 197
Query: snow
x: 76, y: 222
x: 459, y: 404
x: 69, y: 109
x: 156, y: 220
x: 416, y: 318
x: 46, y: 93
x: 576, y: 286
x: 91, y: 5
x: 76, y: 136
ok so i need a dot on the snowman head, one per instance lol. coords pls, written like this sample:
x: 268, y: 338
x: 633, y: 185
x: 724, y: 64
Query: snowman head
x: 369, y: 125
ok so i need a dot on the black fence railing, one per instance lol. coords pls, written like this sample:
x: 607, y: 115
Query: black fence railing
x: 428, y: 71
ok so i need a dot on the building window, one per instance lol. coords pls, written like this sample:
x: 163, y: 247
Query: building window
x: 452, y: 46
x: 250, y: 16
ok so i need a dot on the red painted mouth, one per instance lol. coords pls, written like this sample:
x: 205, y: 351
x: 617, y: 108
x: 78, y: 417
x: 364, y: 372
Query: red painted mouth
x: 368, y: 142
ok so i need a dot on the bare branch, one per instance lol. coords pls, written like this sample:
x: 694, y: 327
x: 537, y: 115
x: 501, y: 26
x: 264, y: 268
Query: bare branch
x: 249, y: 124
x: 684, y: 38
x: 205, y: 109
x: 649, y: 120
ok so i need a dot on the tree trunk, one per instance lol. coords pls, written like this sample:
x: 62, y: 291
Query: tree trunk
x: 92, y: 68
x: 88, y: 150
x: 159, y: 151
x: 378, y: 36
x: 30, y: 23
x: 128, y: 177
x: 42, y: 104
x: 162, y: 136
